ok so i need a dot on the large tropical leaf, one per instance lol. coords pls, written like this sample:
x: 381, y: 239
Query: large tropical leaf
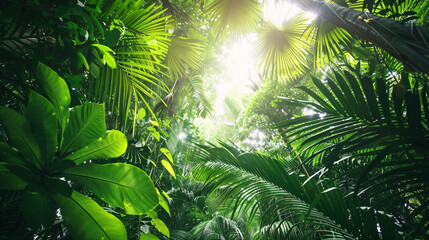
x: 111, y: 146
x: 281, y: 53
x: 57, y: 90
x: 20, y: 136
x: 119, y: 184
x: 87, y: 123
x: 44, y: 125
x: 87, y: 220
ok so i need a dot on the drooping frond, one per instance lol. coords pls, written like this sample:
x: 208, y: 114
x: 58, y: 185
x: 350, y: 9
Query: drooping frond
x: 281, y: 52
x: 368, y: 129
x: 232, y: 18
x: 270, y: 186
x: 218, y: 227
x: 138, y: 53
x: 183, y: 56
x: 199, y: 99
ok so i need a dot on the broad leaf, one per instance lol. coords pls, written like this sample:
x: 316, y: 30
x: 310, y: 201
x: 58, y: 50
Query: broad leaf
x: 9, y: 180
x: 160, y: 226
x: 44, y: 125
x: 111, y: 146
x: 38, y: 207
x: 19, y: 135
x: 168, y: 167
x: 167, y: 153
x: 87, y: 220
x: 119, y: 184
x: 57, y: 90
x: 87, y: 124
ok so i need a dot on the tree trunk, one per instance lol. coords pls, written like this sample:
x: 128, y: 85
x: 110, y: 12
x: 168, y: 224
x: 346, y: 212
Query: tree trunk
x: 406, y: 42
x: 176, y: 97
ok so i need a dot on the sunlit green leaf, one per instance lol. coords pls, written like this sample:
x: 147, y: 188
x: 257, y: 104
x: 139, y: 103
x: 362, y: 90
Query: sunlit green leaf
x: 119, y: 184
x: 111, y: 146
x: 87, y: 220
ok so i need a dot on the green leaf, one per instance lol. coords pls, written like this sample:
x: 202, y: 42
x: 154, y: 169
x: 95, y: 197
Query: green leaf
x: 160, y: 226
x: 86, y: 124
x: 44, y: 124
x: 94, y: 69
x: 113, y: 145
x: 87, y: 220
x: 19, y: 135
x: 167, y: 153
x: 38, y: 207
x: 163, y: 202
x: 142, y: 113
x: 8, y: 155
x: 57, y: 91
x: 168, y: 166
x: 148, y: 236
x: 155, y: 123
x: 82, y: 61
x: 10, y: 180
x: 109, y: 59
x: 119, y: 184
x: 156, y: 135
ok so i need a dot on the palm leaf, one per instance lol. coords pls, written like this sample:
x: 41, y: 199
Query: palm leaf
x: 138, y: 56
x: 359, y: 125
x: 255, y: 180
x: 281, y: 52
x: 183, y: 56
x: 232, y: 18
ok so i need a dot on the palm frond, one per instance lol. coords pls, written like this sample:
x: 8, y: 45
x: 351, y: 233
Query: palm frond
x: 379, y: 135
x: 138, y: 56
x: 328, y: 40
x: 233, y: 18
x: 183, y: 56
x: 199, y: 99
x: 218, y: 227
x: 316, y: 207
x: 281, y: 52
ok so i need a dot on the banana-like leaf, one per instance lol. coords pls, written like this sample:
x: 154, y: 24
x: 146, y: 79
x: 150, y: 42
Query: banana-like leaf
x: 111, y: 146
x: 44, y: 125
x: 20, y: 136
x: 58, y: 92
x: 87, y: 124
x: 119, y: 184
x: 87, y: 220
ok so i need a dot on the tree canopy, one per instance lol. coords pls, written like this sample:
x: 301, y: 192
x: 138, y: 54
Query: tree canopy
x: 218, y: 119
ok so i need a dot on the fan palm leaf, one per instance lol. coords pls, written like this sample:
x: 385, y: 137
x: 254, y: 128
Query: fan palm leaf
x: 328, y: 40
x: 183, y: 56
x: 232, y: 18
x: 281, y: 52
